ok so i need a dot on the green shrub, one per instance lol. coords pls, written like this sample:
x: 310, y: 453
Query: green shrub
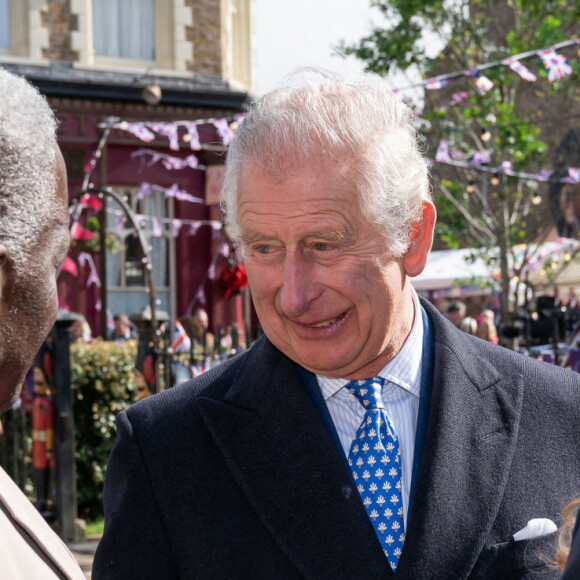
x: 102, y: 381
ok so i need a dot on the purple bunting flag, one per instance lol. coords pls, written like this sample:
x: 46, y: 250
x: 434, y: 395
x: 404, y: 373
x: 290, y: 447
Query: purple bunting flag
x: 181, y: 195
x: 145, y: 189
x: 458, y: 97
x: 224, y: 131
x: 480, y: 158
x: 192, y: 136
x: 442, y: 154
x: 140, y: 131
x: 519, y: 68
x: 544, y: 174
x: 157, y: 227
x: 175, y: 227
x: 193, y: 228
x: 573, y: 175
x: 169, y: 130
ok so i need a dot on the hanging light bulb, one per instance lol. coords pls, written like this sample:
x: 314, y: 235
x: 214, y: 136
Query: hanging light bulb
x: 470, y: 188
x: 494, y: 180
x: 485, y: 135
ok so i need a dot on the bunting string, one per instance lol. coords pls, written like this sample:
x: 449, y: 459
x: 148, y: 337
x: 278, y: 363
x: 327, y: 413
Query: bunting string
x: 479, y: 160
x: 168, y: 161
x: 556, y: 66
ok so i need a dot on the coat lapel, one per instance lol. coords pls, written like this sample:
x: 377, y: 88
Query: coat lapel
x: 470, y: 441
x: 285, y: 461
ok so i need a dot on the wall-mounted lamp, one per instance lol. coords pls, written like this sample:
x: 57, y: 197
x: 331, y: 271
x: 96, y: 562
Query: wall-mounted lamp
x: 152, y: 94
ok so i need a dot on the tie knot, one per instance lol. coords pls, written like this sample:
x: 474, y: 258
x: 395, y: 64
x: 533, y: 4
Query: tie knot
x: 368, y: 392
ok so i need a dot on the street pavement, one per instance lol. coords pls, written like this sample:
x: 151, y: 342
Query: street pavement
x: 84, y: 553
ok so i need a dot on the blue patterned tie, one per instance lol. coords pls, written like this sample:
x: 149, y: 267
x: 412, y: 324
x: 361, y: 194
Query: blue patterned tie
x: 375, y: 461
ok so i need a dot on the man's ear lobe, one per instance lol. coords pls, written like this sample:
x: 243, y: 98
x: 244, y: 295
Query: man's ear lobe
x: 416, y: 256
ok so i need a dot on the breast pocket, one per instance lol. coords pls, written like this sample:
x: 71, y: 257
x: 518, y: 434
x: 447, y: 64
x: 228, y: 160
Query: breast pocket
x: 533, y: 558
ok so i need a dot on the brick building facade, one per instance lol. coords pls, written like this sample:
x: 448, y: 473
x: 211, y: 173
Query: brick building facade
x: 93, y: 59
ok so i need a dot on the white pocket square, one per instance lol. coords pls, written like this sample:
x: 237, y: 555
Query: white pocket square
x: 536, y: 528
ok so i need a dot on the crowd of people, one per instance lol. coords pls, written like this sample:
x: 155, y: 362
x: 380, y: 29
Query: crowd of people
x: 363, y: 433
x: 483, y: 326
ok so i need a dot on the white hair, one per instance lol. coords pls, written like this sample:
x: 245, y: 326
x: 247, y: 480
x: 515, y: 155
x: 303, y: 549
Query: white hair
x: 27, y: 165
x: 317, y: 114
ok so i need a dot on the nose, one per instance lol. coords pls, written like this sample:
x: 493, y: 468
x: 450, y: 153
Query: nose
x: 299, y: 288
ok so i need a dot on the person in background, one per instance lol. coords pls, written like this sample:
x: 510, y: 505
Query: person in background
x: 363, y: 435
x: 469, y: 325
x: 80, y: 331
x: 122, y: 328
x: 34, y: 240
x: 456, y: 312
x: 486, y: 328
x: 200, y: 334
x: 568, y: 553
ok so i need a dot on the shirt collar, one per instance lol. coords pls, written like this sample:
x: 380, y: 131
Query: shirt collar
x: 404, y: 370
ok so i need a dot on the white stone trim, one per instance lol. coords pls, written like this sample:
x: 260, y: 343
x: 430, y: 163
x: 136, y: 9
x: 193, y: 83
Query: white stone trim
x: 182, y: 48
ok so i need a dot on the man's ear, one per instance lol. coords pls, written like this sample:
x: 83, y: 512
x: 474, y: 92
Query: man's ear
x: 421, y: 236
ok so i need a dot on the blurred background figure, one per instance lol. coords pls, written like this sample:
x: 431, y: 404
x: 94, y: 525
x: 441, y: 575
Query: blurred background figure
x: 80, y: 331
x: 199, y: 330
x: 486, y: 328
x: 42, y: 438
x: 122, y: 328
x: 456, y: 312
x: 469, y: 325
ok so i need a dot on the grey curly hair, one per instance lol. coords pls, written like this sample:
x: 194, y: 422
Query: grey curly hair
x: 27, y: 161
x: 316, y: 113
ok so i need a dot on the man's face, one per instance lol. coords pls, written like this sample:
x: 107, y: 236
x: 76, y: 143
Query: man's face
x: 28, y: 299
x: 325, y: 290
x: 120, y: 328
x: 201, y: 320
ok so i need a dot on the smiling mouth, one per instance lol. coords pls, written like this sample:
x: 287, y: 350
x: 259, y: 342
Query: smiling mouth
x: 324, y: 323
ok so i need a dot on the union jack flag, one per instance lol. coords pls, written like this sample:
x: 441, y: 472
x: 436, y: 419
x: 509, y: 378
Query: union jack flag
x: 556, y: 64
x: 435, y: 83
x: 482, y: 83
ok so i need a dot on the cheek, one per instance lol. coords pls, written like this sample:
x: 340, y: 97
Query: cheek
x: 263, y: 283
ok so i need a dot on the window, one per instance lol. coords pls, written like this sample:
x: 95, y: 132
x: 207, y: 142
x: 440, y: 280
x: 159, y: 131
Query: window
x: 126, y: 282
x: 239, y: 57
x: 5, y: 24
x: 124, y: 29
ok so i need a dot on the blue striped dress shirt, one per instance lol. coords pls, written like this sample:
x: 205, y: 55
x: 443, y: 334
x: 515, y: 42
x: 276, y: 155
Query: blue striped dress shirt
x: 401, y: 395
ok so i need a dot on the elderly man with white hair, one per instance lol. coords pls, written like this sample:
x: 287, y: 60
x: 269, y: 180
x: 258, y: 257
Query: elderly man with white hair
x: 34, y: 240
x: 364, y: 435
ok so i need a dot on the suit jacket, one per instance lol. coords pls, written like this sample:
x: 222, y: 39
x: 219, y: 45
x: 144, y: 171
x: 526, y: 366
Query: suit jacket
x: 234, y: 475
x: 29, y: 549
